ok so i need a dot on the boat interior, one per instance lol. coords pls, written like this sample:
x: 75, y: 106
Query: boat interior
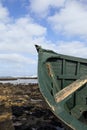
x: 63, y: 71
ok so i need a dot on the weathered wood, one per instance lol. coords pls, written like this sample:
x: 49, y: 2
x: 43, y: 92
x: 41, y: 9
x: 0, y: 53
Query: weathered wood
x: 64, y: 93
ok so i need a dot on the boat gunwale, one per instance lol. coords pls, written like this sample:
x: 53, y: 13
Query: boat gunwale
x: 62, y: 56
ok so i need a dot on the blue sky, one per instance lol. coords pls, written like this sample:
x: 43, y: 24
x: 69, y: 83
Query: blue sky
x: 59, y: 25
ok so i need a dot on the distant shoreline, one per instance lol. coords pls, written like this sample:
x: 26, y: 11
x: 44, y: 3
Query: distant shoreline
x: 16, y: 78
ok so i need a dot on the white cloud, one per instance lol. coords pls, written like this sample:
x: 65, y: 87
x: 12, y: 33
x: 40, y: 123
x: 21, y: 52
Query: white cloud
x: 74, y: 48
x: 4, y: 14
x: 17, y: 51
x: 18, y: 36
x: 70, y: 20
x: 83, y: 1
x: 16, y: 58
x: 42, y: 7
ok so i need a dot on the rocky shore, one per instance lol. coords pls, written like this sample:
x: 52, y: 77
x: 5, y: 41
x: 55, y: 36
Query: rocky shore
x: 22, y: 107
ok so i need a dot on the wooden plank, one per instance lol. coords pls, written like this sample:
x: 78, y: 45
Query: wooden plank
x: 67, y: 76
x: 78, y: 68
x: 64, y: 93
x: 63, y: 73
x: 64, y: 67
x: 52, y: 75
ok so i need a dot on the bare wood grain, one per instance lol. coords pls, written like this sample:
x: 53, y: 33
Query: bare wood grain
x: 64, y: 93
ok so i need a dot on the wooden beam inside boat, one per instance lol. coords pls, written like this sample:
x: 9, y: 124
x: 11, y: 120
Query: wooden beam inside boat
x: 64, y: 93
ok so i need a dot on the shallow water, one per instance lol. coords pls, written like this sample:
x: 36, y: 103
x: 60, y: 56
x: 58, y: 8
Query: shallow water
x: 20, y: 81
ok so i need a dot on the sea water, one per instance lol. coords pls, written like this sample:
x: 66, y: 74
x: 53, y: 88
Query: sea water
x: 20, y: 81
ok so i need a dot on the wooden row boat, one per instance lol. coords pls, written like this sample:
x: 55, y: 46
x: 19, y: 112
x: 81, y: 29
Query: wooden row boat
x: 62, y: 82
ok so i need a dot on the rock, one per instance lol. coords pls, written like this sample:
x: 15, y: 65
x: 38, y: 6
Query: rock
x: 32, y: 114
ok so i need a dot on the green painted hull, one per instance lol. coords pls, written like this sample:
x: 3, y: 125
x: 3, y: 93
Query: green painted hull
x: 56, y: 72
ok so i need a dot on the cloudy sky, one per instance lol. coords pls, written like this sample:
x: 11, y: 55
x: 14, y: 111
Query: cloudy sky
x: 60, y: 25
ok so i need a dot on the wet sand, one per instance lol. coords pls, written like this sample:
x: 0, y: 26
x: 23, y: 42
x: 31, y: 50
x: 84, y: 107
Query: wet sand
x: 22, y: 107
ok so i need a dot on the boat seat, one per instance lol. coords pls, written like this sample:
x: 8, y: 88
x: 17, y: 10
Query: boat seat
x: 70, y: 89
x: 78, y: 110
